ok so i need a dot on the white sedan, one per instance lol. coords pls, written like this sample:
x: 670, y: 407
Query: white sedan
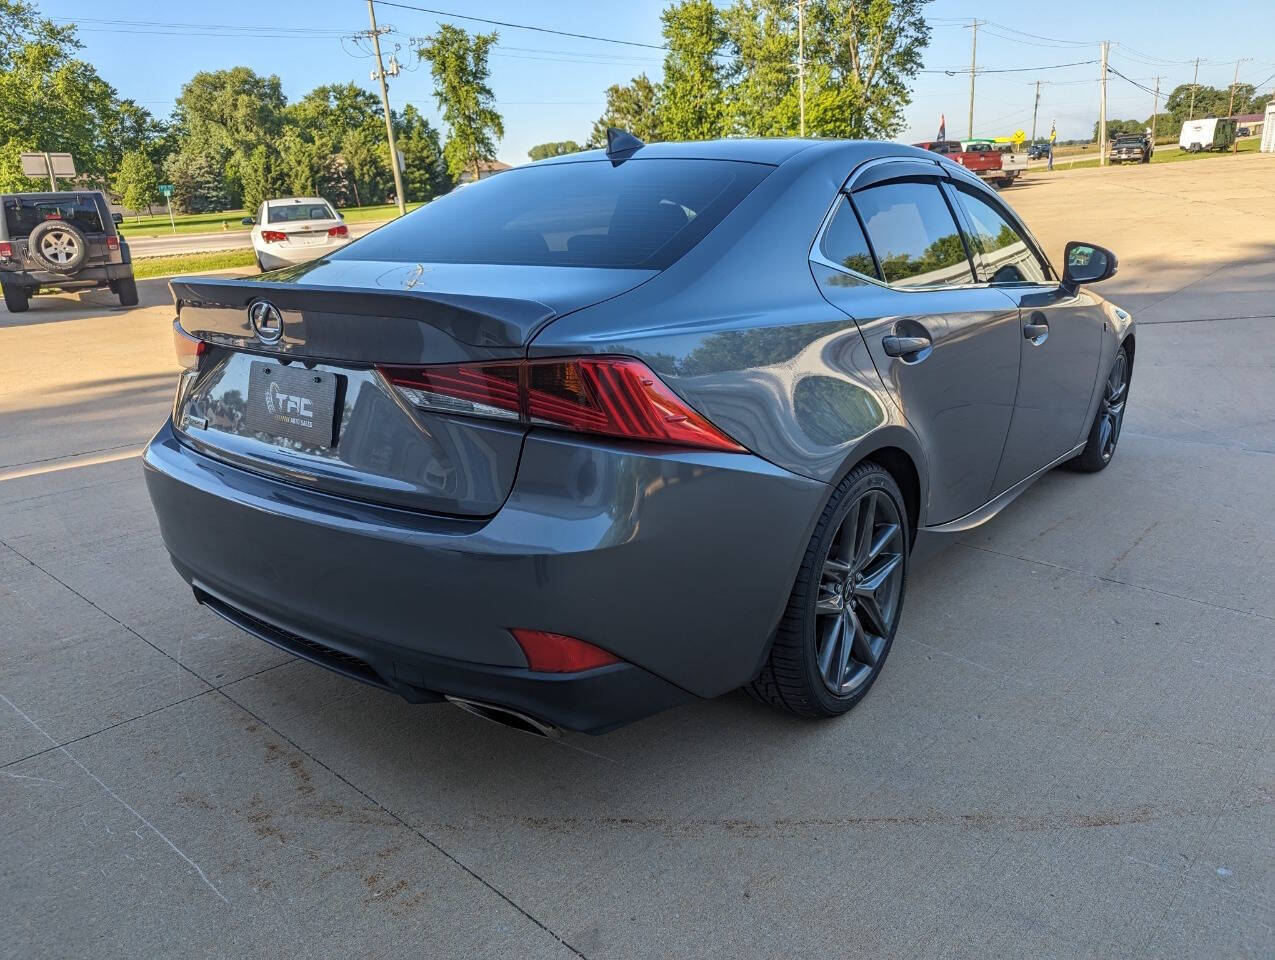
x: 295, y: 230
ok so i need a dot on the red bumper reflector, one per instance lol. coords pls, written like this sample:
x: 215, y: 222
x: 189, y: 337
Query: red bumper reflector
x: 555, y: 653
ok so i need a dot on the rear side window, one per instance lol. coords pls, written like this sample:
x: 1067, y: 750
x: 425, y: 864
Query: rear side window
x: 300, y: 211
x: 642, y: 214
x: 845, y: 244
x: 24, y: 214
x: 1005, y: 256
x: 914, y: 235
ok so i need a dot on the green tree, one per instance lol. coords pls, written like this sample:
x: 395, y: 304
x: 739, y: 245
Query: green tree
x: 225, y: 115
x: 458, y: 63
x: 555, y: 148
x: 364, y: 164
x: 263, y: 177
x: 425, y: 176
x: 692, y: 99
x: 50, y: 99
x: 199, y: 182
x: 634, y: 107
x: 864, y: 54
x: 762, y: 92
x: 136, y: 183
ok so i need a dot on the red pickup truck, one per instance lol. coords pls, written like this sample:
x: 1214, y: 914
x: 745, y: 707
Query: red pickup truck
x: 982, y: 159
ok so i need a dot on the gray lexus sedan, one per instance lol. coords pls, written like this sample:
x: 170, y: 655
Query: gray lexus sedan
x: 629, y: 427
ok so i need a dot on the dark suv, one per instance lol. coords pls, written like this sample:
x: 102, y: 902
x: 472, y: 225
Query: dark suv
x: 64, y: 241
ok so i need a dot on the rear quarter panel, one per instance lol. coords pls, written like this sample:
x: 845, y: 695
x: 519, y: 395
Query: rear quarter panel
x: 739, y: 328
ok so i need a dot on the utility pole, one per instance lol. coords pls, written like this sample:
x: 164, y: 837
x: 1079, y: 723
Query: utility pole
x: 1102, y: 109
x: 1230, y: 107
x: 1155, y: 110
x: 801, y: 61
x: 974, y: 24
x: 1035, y: 108
x: 1194, y: 78
x: 379, y: 74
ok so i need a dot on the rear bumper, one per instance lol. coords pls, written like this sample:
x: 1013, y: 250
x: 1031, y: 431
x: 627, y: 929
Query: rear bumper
x: 98, y: 276
x: 679, y: 562
x: 275, y: 256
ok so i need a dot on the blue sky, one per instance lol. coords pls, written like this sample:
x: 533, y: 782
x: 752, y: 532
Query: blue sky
x: 551, y: 87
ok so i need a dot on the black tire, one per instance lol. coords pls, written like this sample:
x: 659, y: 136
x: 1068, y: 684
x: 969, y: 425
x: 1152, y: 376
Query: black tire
x: 16, y: 299
x: 792, y: 677
x: 1104, y: 434
x: 126, y: 290
x: 58, y: 246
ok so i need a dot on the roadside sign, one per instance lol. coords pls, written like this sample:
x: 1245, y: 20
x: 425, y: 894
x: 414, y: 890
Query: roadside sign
x: 51, y: 165
x: 166, y: 189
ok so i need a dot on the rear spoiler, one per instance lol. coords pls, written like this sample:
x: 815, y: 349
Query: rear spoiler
x: 359, y: 325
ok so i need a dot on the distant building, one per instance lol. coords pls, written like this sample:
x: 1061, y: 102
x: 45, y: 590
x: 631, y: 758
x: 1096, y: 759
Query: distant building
x: 485, y: 170
x: 1253, y: 121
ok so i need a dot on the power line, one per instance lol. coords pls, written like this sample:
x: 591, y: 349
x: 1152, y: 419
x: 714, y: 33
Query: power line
x: 521, y: 26
x: 1055, y: 66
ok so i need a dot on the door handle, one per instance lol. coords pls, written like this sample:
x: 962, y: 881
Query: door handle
x: 904, y: 346
x: 1036, y: 329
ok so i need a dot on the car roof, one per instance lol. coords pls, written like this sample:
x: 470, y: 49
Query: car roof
x: 51, y: 194
x: 772, y: 150
x: 284, y: 201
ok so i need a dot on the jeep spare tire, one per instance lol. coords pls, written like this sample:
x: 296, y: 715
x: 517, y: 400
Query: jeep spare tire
x: 58, y: 245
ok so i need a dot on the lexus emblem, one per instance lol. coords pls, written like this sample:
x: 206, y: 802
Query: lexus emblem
x: 267, y: 322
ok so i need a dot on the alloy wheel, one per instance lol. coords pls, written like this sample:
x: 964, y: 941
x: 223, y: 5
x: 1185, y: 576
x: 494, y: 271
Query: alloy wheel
x: 859, y: 592
x: 59, y: 246
x: 1114, y: 395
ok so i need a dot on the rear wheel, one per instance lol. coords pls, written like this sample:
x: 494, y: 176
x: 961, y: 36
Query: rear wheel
x: 126, y: 289
x: 1105, y: 432
x: 845, y: 605
x: 16, y: 299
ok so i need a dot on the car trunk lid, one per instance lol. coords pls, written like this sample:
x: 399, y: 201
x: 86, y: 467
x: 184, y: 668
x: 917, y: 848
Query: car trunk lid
x: 289, y: 385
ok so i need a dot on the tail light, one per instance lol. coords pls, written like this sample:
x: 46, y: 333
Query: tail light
x: 340, y: 230
x: 188, y: 348
x: 607, y: 396
x: 112, y: 243
x: 6, y: 251
x: 556, y: 653
x: 273, y: 236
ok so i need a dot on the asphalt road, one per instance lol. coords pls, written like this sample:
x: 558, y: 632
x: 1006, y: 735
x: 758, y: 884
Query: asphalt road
x: 208, y: 242
x: 1070, y: 752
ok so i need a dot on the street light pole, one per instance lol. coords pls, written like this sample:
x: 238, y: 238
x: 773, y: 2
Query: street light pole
x: 801, y: 62
x: 973, y: 69
x: 1035, y: 108
x: 1102, y: 110
x: 385, y: 102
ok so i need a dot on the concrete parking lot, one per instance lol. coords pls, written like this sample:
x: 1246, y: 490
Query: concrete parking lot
x: 1070, y: 752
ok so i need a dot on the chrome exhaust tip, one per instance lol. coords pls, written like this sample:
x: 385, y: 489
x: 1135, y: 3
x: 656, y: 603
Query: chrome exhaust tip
x: 507, y: 718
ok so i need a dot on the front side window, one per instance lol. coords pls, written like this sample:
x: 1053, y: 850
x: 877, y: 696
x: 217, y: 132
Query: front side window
x: 914, y: 235
x: 641, y: 214
x: 845, y: 244
x: 1006, y: 257
x: 24, y: 214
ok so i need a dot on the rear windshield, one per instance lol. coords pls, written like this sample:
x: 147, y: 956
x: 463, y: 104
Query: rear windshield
x: 299, y: 211
x: 642, y: 214
x: 24, y: 214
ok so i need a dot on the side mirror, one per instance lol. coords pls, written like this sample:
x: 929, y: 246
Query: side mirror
x: 1087, y: 263
x: 117, y: 218
x: 248, y: 221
